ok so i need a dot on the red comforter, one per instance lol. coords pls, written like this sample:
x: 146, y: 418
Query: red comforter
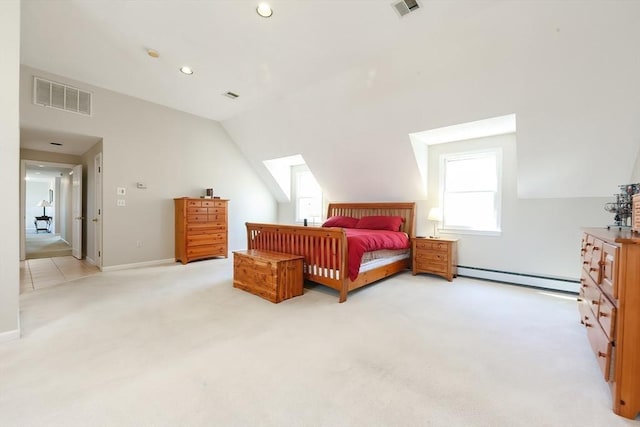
x: 360, y: 241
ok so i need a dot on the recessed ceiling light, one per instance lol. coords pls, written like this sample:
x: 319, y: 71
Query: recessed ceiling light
x: 186, y: 70
x: 153, y: 53
x: 264, y: 10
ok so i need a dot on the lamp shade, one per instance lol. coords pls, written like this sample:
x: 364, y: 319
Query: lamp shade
x: 43, y: 204
x: 435, y: 214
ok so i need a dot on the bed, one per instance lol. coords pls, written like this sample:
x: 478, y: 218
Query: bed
x: 325, y: 249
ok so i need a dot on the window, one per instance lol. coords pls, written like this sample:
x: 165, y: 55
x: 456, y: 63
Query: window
x: 471, y: 191
x: 307, y: 195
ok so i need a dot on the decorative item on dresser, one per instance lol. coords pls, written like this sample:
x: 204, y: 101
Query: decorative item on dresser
x: 635, y: 209
x: 609, y: 306
x: 273, y: 276
x: 201, y: 228
x: 435, y: 255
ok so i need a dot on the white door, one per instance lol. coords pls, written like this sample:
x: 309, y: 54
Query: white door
x: 76, y: 211
x: 97, y: 220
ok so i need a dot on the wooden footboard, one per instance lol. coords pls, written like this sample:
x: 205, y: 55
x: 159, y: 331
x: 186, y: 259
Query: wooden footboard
x: 325, y: 249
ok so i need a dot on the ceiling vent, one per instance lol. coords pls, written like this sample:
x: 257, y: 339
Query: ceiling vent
x: 60, y: 96
x: 406, y: 6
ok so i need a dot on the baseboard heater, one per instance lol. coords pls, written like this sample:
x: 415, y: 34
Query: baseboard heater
x: 531, y: 280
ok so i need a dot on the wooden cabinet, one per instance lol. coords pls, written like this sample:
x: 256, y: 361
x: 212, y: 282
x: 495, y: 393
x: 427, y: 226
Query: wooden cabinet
x: 271, y: 275
x: 609, y: 307
x: 201, y: 229
x: 436, y: 256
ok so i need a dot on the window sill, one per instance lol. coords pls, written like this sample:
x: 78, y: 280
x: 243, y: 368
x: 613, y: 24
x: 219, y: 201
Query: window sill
x: 470, y: 232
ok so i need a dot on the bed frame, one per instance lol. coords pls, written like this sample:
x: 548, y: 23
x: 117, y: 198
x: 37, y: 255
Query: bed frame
x: 327, y: 246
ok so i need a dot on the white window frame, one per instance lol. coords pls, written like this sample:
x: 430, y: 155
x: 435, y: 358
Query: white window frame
x: 296, y: 172
x: 444, y: 158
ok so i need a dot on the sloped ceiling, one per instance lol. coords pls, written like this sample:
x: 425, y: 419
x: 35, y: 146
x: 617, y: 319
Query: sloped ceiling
x: 345, y: 82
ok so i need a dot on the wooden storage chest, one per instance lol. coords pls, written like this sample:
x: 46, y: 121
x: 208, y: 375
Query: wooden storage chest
x: 200, y: 229
x: 273, y: 276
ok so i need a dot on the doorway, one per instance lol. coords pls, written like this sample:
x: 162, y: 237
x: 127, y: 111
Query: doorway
x: 48, y: 230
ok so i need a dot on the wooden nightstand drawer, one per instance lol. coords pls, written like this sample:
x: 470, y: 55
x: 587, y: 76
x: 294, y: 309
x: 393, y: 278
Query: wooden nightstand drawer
x: 428, y: 256
x: 432, y: 245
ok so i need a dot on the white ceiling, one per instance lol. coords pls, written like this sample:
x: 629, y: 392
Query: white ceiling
x: 42, y: 139
x: 230, y: 47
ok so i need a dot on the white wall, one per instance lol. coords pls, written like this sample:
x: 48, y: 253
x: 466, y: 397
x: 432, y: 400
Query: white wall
x: 9, y: 167
x: 173, y: 153
x: 568, y: 70
x: 539, y: 236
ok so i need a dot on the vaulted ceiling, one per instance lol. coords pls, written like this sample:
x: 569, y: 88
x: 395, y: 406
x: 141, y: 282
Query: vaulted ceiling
x: 345, y: 82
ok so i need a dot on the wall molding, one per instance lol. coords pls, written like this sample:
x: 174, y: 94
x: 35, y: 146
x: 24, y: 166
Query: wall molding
x: 530, y: 280
x: 11, y: 335
x: 139, y: 264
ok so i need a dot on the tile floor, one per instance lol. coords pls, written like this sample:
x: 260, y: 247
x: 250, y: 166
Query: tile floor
x: 44, y: 272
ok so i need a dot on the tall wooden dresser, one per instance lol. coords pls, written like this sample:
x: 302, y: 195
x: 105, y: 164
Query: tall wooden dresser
x: 609, y: 305
x: 201, y: 228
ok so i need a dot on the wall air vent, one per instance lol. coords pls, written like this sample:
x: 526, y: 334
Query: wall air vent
x: 404, y: 7
x: 231, y: 95
x: 61, y: 96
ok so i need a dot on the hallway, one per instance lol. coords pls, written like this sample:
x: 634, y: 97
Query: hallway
x: 36, y: 274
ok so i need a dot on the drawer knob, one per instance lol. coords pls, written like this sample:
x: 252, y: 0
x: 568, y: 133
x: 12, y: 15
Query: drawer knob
x: 601, y: 354
x: 604, y: 314
x: 593, y: 269
x: 579, y: 299
x: 595, y: 302
x: 595, y: 248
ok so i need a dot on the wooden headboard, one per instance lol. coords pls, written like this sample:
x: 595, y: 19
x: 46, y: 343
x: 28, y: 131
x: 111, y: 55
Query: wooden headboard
x: 357, y: 210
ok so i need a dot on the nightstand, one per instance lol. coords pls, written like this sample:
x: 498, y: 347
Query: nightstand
x: 435, y: 256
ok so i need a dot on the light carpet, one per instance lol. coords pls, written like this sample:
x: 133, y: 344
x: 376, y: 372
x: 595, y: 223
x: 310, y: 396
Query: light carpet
x: 177, y: 345
x: 45, y: 245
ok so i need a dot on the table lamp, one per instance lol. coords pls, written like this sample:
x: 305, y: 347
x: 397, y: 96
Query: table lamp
x: 435, y: 215
x: 44, y: 204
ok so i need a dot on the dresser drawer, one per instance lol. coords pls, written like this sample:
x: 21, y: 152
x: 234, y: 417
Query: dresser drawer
x: 206, y: 228
x: 216, y: 211
x: 196, y: 211
x: 216, y: 218
x: 197, y: 218
x: 589, y: 291
x: 594, y: 267
x: 607, y: 316
x: 601, y: 347
x: 206, y: 250
x: 206, y: 239
x: 609, y: 268
x: 194, y: 203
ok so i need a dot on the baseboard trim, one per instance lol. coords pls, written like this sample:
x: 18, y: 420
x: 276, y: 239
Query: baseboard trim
x: 10, y: 335
x: 530, y: 280
x: 139, y: 264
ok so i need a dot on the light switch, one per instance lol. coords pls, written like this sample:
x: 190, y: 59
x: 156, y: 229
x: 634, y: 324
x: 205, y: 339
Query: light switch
x: 120, y: 202
x: 121, y: 191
